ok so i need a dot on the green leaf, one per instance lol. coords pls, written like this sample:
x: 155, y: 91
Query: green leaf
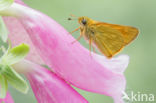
x: 14, y: 78
x: 3, y: 30
x: 15, y: 54
x: 3, y: 86
x: 5, y: 4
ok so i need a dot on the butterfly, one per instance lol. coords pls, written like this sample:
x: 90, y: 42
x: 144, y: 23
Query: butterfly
x: 108, y: 38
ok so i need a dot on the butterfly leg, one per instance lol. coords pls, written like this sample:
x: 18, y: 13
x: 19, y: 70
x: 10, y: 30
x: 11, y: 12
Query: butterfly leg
x: 75, y: 30
x: 77, y: 39
x: 93, y: 49
x: 90, y: 46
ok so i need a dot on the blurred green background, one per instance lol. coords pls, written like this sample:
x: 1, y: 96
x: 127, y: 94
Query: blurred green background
x: 141, y: 72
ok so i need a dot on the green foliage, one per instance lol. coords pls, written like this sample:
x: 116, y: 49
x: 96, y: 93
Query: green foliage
x: 14, y: 78
x: 3, y: 85
x: 8, y: 74
x: 15, y: 54
x: 3, y: 31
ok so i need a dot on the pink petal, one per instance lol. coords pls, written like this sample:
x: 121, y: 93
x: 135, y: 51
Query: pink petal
x: 72, y: 61
x: 19, y: 2
x: 48, y: 87
x: 7, y: 99
x: 19, y: 35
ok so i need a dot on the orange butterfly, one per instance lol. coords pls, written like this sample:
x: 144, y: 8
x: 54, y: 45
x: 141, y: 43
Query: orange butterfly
x: 108, y: 38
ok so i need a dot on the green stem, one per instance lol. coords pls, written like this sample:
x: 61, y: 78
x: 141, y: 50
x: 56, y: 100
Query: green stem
x: 3, y: 86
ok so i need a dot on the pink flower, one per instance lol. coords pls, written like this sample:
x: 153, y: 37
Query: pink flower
x: 72, y: 62
x: 7, y: 99
x: 47, y: 86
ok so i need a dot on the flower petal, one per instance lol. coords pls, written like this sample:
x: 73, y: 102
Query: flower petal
x: 18, y: 35
x: 49, y: 88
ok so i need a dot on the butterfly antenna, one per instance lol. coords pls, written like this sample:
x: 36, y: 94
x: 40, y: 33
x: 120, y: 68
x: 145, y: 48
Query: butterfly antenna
x: 73, y: 15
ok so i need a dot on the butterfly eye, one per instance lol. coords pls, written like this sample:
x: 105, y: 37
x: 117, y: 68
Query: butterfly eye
x: 84, y: 22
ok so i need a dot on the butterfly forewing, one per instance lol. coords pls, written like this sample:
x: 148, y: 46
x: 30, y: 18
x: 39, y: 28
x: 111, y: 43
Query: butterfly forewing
x: 129, y: 33
x: 108, y: 40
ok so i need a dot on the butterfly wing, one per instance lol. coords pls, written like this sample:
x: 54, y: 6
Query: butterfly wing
x: 129, y: 33
x: 107, y: 39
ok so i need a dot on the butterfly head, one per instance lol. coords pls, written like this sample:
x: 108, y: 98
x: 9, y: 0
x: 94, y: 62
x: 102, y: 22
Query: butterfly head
x: 83, y: 21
